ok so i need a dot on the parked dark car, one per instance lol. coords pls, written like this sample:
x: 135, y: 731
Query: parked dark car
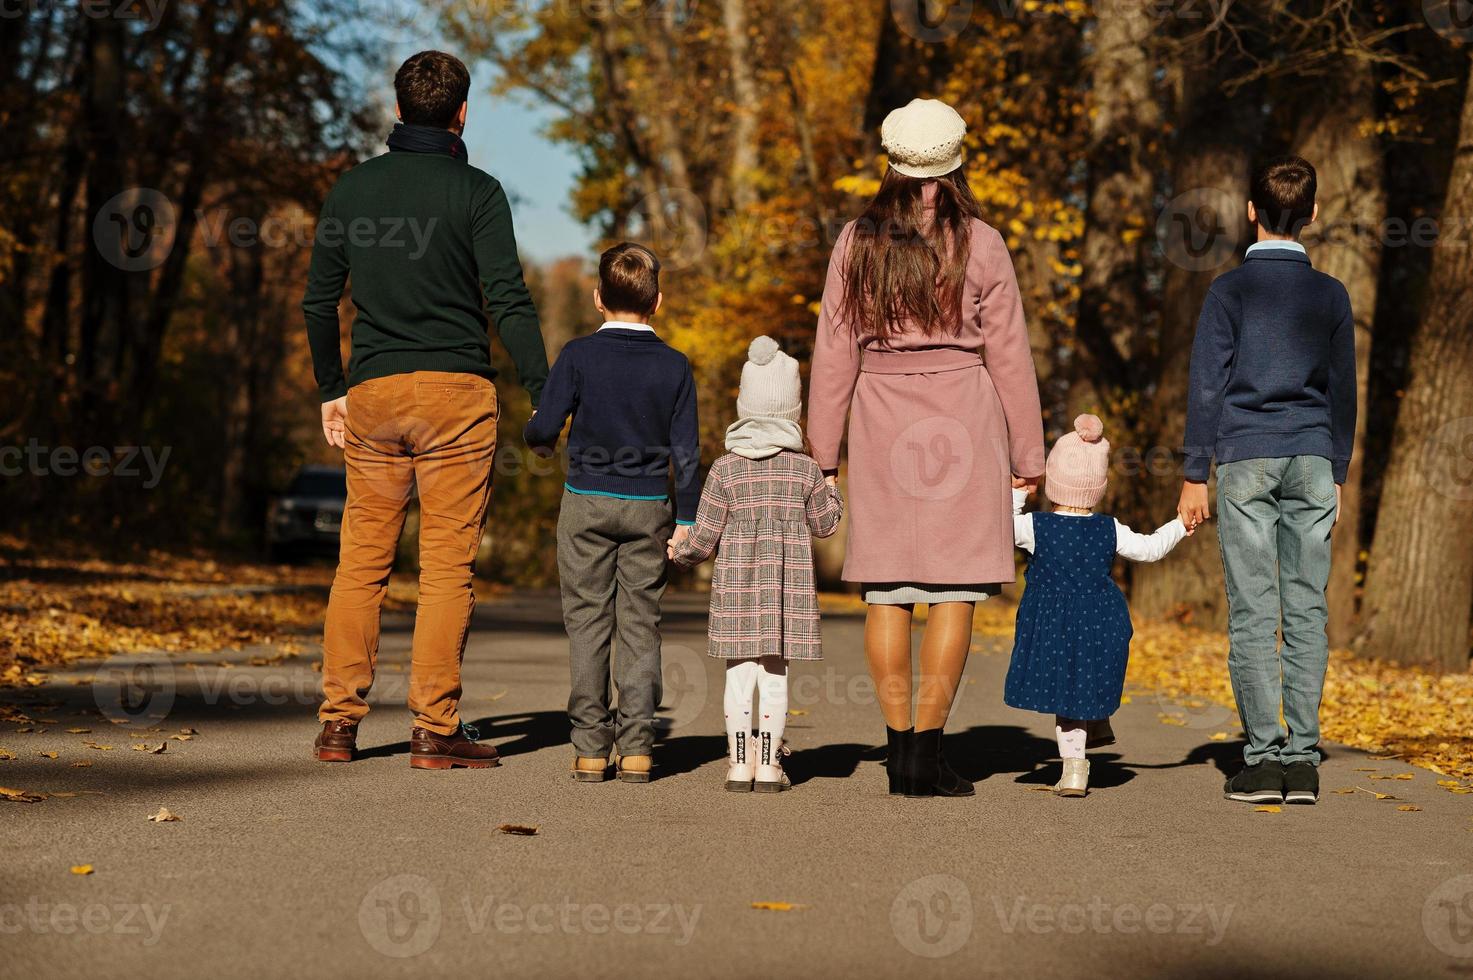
x: 308, y: 518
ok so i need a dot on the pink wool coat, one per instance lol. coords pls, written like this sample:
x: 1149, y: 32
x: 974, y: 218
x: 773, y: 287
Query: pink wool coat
x: 937, y: 426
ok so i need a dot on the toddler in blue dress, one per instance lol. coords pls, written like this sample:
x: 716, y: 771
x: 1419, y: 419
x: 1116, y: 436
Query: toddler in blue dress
x: 1073, y: 628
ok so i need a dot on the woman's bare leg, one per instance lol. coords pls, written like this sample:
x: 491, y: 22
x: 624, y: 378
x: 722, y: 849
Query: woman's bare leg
x: 887, y: 648
x: 944, y: 648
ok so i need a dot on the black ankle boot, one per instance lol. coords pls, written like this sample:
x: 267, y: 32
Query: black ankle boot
x: 948, y: 783
x: 897, y: 746
x: 923, y: 764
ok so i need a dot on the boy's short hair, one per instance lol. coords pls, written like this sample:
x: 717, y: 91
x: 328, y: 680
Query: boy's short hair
x: 1283, y: 192
x: 431, y: 87
x: 629, y: 279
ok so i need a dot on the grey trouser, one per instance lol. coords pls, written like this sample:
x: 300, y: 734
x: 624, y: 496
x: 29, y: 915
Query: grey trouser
x: 611, y: 559
x: 1274, y: 521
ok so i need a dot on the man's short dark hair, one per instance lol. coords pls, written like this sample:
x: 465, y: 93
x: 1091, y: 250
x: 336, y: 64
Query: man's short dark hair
x: 431, y: 87
x: 1283, y: 192
x: 629, y: 279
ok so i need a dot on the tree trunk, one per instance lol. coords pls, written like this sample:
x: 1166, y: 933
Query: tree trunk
x: 1346, y: 244
x: 743, y: 169
x: 1419, y: 582
x: 1125, y: 118
x: 1210, y: 188
x: 242, y: 322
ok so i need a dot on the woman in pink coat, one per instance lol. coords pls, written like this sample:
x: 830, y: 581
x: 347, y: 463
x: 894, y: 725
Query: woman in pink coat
x: 922, y: 345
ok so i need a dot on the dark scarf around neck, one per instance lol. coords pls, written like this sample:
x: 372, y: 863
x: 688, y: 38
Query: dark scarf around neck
x: 427, y: 139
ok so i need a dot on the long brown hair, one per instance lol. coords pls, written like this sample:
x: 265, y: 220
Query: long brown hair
x: 903, y: 266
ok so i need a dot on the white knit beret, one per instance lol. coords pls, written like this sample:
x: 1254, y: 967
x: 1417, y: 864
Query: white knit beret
x: 924, y: 138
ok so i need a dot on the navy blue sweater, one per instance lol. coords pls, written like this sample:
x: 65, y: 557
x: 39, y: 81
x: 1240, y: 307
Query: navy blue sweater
x: 1273, y: 366
x: 633, y: 402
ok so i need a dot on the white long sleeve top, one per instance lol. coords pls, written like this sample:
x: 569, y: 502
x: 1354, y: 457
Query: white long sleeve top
x: 1128, y: 544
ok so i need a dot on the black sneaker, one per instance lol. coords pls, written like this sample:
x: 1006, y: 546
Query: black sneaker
x: 1301, y: 783
x: 1262, y: 783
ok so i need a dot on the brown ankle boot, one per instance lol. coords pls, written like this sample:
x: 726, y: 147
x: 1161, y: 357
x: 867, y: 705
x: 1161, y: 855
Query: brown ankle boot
x: 431, y: 750
x: 337, y: 741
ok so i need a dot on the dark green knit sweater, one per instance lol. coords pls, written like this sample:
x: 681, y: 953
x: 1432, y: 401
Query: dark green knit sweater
x: 425, y: 237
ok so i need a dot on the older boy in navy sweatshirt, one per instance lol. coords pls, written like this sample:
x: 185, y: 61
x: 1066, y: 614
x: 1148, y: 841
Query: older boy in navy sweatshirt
x: 1272, y: 397
x: 633, y: 403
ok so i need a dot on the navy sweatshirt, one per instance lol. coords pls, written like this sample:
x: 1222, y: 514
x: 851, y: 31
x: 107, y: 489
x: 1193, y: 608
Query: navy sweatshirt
x: 1273, y: 366
x: 633, y: 402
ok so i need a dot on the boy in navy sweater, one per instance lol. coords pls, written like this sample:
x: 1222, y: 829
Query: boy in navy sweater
x: 633, y: 403
x: 1272, y: 396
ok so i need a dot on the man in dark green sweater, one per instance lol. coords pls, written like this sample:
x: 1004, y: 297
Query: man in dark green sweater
x: 427, y: 241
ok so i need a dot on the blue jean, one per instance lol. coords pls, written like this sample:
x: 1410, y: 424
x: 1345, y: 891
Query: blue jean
x: 1274, y: 521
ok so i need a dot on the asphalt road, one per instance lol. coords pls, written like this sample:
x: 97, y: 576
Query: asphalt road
x: 282, y: 866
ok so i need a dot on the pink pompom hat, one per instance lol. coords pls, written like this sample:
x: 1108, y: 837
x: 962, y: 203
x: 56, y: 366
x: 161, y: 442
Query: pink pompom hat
x: 1078, y: 466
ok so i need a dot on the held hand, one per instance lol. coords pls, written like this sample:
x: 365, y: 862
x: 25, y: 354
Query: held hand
x: 335, y: 421
x: 670, y: 550
x: 682, y: 531
x: 542, y: 452
x: 1028, y: 483
x: 1192, y: 508
x: 832, y: 480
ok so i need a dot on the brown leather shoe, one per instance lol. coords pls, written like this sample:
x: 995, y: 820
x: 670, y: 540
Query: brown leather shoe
x: 430, y: 750
x: 337, y: 741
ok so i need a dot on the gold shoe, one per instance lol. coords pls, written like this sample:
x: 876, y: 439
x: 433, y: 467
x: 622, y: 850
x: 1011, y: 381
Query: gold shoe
x: 1075, y: 781
x: 590, y: 770
x: 634, y: 768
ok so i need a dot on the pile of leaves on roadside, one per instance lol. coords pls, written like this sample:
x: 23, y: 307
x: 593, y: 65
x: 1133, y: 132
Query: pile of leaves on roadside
x: 55, y: 610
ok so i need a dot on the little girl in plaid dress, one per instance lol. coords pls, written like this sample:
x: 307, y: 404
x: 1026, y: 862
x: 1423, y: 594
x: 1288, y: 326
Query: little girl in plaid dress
x: 763, y: 503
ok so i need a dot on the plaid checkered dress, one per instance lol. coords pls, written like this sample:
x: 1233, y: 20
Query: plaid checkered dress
x: 759, y: 517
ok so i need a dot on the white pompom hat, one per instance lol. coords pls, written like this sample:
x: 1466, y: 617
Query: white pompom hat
x: 924, y: 138
x: 771, y: 387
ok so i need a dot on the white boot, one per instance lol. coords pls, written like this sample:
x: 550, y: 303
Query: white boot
x: 740, y: 769
x: 1076, y: 778
x: 770, y: 775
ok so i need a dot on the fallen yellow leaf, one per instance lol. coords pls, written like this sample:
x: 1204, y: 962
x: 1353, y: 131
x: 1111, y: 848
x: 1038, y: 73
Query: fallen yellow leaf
x: 1409, y: 808
x: 81, y: 869
x: 20, y: 795
x: 6, y: 755
x: 775, y: 906
x: 164, y: 816
x: 79, y: 731
x: 49, y: 755
x: 1218, y: 737
x: 81, y: 765
x: 1271, y: 808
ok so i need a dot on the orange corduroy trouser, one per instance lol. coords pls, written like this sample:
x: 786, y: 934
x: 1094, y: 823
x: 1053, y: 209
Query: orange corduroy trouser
x: 434, y: 431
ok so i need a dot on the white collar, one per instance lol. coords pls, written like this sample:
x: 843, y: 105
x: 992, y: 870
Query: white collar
x: 1276, y: 243
x: 626, y: 325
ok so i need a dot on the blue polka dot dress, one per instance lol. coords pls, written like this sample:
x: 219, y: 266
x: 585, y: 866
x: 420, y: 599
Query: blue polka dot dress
x: 1073, y: 631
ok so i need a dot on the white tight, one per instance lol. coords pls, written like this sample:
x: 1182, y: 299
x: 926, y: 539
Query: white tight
x: 770, y: 676
x: 1071, y: 736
